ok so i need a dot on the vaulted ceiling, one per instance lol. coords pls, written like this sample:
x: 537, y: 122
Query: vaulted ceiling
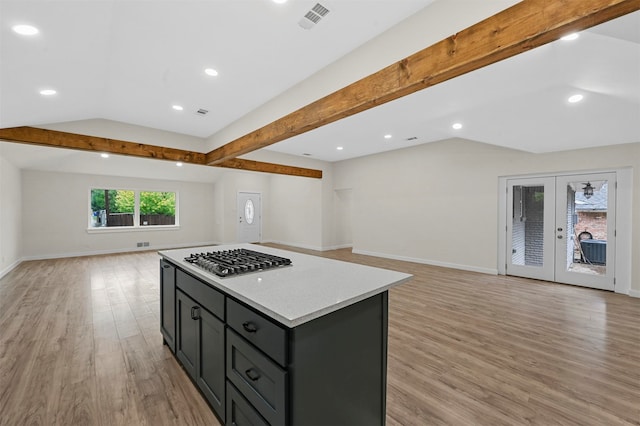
x: 520, y: 103
x: 131, y: 61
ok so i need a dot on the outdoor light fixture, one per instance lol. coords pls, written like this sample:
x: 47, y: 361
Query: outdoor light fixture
x: 587, y: 191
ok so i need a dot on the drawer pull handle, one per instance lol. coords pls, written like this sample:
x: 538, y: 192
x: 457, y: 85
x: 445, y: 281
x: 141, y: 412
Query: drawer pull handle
x: 249, y: 327
x: 252, y: 374
x: 195, y: 313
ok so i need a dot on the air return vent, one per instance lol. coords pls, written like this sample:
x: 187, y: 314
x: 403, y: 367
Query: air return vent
x: 312, y: 17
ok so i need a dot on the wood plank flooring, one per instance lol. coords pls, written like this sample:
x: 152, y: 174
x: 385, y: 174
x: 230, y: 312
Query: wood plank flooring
x: 80, y: 345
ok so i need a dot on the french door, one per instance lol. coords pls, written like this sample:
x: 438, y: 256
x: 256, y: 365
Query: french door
x: 562, y: 229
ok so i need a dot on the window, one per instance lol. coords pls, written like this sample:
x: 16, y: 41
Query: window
x: 128, y: 208
x: 248, y: 212
x: 157, y: 208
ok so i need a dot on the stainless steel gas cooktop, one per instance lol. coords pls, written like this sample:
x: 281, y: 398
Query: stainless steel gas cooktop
x: 224, y: 263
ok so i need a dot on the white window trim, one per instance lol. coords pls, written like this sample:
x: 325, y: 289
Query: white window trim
x: 136, y: 215
x: 116, y: 229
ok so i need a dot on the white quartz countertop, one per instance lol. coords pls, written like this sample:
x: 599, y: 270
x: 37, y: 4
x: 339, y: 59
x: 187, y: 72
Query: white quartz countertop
x: 292, y: 295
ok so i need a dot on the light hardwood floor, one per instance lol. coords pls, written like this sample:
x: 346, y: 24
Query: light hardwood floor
x: 80, y: 345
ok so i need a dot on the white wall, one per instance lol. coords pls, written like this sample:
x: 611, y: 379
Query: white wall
x: 10, y: 217
x: 54, y: 207
x: 301, y: 212
x: 295, y: 210
x: 438, y: 203
x: 227, y: 188
x: 55, y: 210
x: 343, y: 217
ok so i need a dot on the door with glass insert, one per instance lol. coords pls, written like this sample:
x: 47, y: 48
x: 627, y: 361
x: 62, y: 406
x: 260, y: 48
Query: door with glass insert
x: 585, y: 232
x: 530, y: 224
x: 249, y: 217
x: 562, y: 229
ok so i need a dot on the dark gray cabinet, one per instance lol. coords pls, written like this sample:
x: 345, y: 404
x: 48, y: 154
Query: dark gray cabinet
x: 168, y: 303
x: 239, y: 411
x: 260, y: 380
x: 200, y: 342
x: 256, y: 371
x: 328, y: 371
x: 186, y: 342
x: 210, y: 361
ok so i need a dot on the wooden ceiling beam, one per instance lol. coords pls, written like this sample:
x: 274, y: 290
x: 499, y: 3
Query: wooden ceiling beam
x: 259, y: 166
x: 54, y: 138
x: 57, y: 139
x: 522, y: 27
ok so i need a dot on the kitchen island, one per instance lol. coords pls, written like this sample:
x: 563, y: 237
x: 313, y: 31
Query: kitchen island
x: 299, y: 344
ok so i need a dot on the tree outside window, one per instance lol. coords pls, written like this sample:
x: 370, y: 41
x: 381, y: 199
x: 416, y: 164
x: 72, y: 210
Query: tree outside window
x: 157, y: 208
x: 118, y: 207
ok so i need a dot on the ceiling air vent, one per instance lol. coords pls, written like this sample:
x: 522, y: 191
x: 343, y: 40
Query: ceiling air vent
x: 202, y: 111
x: 313, y: 16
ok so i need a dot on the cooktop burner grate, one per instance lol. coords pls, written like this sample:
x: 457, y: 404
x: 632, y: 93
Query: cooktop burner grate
x: 234, y: 262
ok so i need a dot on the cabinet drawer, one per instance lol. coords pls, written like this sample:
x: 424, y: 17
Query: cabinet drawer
x: 239, y: 411
x: 204, y: 294
x: 261, y: 381
x: 253, y: 326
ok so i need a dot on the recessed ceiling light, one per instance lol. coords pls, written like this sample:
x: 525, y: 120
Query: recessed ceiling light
x: 179, y: 164
x: 104, y: 155
x: 575, y: 98
x: 211, y: 72
x: 457, y: 126
x: 25, y: 29
x: 570, y: 37
x: 339, y: 148
x: 48, y: 92
x: 387, y: 136
x: 177, y: 107
x: 279, y: 1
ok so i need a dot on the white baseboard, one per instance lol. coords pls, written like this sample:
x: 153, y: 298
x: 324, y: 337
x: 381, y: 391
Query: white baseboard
x: 114, y: 251
x: 634, y: 293
x: 489, y: 271
x: 10, y: 268
x: 302, y: 246
x: 340, y: 246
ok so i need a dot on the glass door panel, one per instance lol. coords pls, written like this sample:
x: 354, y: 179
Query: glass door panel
x: 530, y: 245
x: 586, y: 230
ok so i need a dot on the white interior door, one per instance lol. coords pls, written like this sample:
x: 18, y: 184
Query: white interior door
x: 249, y: 217
x: 562, y: 229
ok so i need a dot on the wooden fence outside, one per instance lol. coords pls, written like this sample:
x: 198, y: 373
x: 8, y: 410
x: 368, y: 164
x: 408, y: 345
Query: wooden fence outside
x: 126, y: 219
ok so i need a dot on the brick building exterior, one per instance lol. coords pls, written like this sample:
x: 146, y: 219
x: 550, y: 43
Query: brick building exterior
x: 594, y: 222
